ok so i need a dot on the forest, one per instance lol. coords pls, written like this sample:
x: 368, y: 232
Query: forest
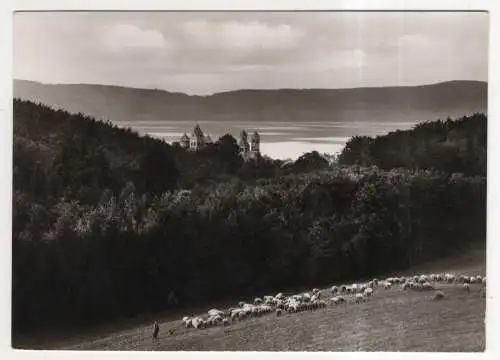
x: 106, y: 223
x: 454, y: 146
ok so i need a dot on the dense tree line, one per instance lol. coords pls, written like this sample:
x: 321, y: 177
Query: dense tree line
x: 452, y: 145
x: 106, y: 223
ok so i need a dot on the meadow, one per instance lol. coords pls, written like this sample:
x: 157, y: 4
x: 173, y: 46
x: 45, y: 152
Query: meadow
x: 391, y: 320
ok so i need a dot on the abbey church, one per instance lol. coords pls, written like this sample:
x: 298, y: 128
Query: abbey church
x: 198, y: 140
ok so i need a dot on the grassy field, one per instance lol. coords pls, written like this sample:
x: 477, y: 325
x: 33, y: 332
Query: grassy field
x: 392, y: 320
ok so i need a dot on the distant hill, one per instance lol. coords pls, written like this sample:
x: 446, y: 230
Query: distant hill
x: 415, y: 103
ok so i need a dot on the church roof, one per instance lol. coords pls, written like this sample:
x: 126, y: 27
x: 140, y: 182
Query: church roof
x: 197, y: 132
x: 255, y: 135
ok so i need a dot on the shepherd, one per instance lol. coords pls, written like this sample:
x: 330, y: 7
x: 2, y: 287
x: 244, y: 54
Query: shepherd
x: 156, y: 330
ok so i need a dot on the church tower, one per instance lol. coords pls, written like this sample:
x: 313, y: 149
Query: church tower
x: 255, y: 143
x: 244, y: 146
x: 197, y: 138
x: 184, y: 141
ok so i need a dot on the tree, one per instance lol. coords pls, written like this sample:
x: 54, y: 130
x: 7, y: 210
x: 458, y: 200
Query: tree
x: 158, y: 171
x: 357, y: 151
x: 228, y: 151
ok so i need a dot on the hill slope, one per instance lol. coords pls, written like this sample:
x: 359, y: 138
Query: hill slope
x: 392, y: 320
x: 425, y: 102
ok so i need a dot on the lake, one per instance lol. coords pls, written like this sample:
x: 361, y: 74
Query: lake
x: 279, y: 140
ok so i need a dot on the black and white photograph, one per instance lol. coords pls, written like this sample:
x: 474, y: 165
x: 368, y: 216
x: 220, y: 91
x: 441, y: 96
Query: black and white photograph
x: 285, y: 181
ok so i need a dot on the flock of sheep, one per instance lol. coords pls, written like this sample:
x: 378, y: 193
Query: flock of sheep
x: 354, y: 293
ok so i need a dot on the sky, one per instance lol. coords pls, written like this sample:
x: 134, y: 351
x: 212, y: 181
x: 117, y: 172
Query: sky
x: 207, y: 52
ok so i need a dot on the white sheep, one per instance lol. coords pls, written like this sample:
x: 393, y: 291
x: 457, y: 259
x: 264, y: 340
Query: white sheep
x: 257, y: 301
x: 215, y: 320
x: 343, y: 289
x: 247, y: 306
x: 215, y: 312
x: 243, y: 313
x: 368, y: 292
x: 418, y: 286
x: 198, y: 322
x: 239, y: 313
x: 188, y: 321
x: 315, y: 291
x: 475, y: 280
x: 264, y: 309
x: 321, y: 304
x: 334, y: 290
x: 449, y: 278
x: 210, y: 321
x: 427, y: 286
x: 293, y: 307
x: 359, y: 298
x: 439, y: 295
x: 337, y: 299
x: 423, y: 279
x: 268, y: 298
x: 467, y: 287
x: 387, y: 285
x: 255, y: 311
